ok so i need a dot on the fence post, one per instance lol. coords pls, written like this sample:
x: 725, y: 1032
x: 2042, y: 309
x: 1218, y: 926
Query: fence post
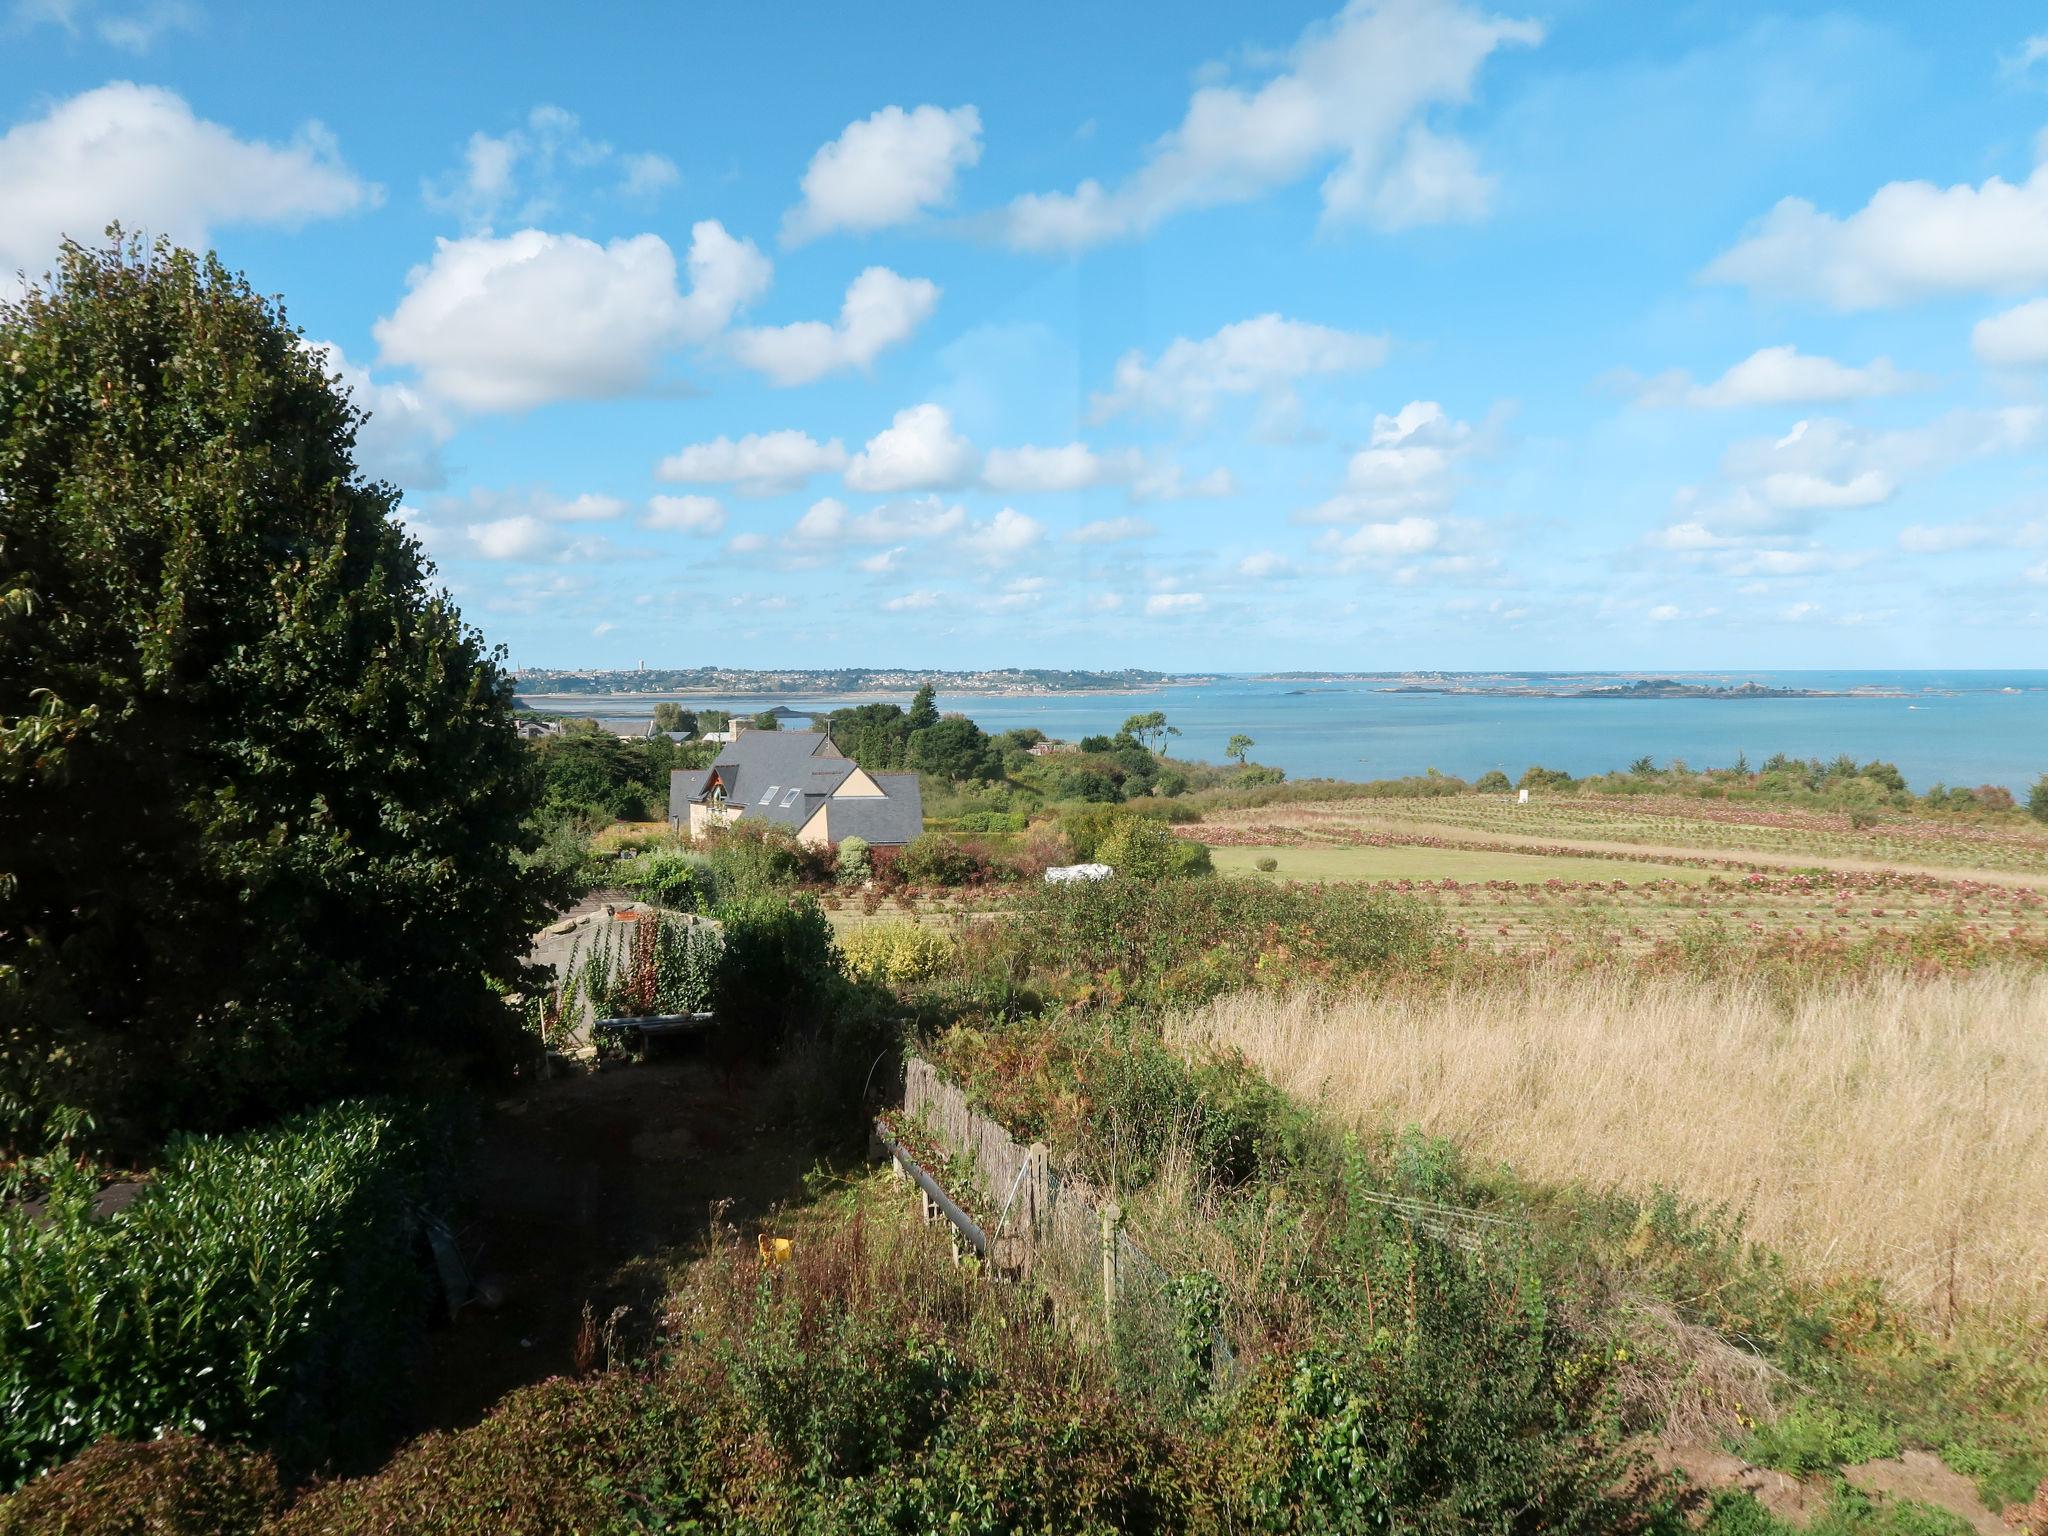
x: 1037, y: 1191
x: 1112, y: 1223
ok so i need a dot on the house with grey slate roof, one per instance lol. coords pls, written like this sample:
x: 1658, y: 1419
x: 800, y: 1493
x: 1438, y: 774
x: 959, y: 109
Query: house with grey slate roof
x: 799, y: 780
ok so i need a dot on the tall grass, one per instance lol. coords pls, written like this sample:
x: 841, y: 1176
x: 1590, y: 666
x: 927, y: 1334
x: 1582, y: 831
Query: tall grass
x: 1890, y: 1125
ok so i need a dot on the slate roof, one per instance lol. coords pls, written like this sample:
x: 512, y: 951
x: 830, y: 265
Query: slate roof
x: 785, y: 776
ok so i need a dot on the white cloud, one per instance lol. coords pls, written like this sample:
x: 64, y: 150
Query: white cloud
x: 521, y: 536
x: 2017, y: 338
x: 1944, y: 538
x: 1775, y: 485
x: 1265, y: 355
x: 506, y: 324
x: 1407, y: 466
x: 2020, y: 64
x: 1003, y: 538
x: 758, y: 464
x: 884, y: 561
x: 1351, y: 93
x: 645, y: 174
x: 1166, y: 482
x: 599, y: 631
x: 911, y: 602
x: 685, y: 514
x: 1105, y: 602
x: 1911, y: 240
x: 1264, y: 565
x: 919, y: 450
x: 137, y: 153
x: 1663, y: 613
x: 1112, y: 530
x: 402, y: 440
x: 526, y: 174
x: 1781, y: 376
x: 919, y: 518
x: 885, y: 169
x: 1167, y: 604
x: 881, y: 309
x: 1402, y: 537
x: 134, y: 30
x: 1029, y: 469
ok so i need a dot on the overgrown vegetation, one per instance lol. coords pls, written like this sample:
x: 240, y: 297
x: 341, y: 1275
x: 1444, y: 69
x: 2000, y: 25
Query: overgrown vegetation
x: 261, y: 1287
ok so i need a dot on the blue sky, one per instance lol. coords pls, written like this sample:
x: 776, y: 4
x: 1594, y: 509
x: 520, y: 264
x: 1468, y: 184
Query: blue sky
x: 1411, y: 334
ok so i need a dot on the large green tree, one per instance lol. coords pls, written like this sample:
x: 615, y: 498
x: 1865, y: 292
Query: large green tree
x: 259, y: 791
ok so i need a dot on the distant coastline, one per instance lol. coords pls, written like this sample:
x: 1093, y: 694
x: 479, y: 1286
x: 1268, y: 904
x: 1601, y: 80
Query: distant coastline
x: 783, y: 683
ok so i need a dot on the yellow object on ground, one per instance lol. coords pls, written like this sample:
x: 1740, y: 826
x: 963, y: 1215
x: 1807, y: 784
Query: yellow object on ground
x: 774, y: 1250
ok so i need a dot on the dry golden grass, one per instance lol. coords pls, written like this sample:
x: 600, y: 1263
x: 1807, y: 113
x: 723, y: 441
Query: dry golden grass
x: 1895, y: 1126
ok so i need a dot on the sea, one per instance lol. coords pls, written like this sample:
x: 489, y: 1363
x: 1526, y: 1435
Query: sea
x: 1955, y: 728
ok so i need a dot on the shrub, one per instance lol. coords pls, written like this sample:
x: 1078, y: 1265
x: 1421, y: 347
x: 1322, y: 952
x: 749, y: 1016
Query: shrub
x: 751, y: 859
x: 990, y: 821
x: 2037, y: 799
x: 778, y: 970
x: 261, y: 1286
x: 934, y: 858
x: 856, y: 864
x: 1144, y: 850
x: 896, y: 954
x: 1088, y: 783
x: 1266, y: 864
x: 1545, y: 778
x: 681, y: 882
x: 176, y: 1486
x: 1493, y: 782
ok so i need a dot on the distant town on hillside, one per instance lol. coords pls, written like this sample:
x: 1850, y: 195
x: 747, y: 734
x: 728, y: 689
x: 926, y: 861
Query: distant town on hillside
x: 835, y: 680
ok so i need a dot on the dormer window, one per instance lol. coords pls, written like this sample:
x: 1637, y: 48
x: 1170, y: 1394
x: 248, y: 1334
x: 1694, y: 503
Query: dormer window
x: 773, y: 791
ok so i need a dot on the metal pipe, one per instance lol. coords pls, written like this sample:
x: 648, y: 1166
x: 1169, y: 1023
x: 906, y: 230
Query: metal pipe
x: 962, y: 1222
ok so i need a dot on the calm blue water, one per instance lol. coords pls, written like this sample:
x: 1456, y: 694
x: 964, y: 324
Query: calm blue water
x: 1956, y: 727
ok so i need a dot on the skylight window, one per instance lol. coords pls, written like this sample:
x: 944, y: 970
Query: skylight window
x: 769, y: 798
x: 791, y: 798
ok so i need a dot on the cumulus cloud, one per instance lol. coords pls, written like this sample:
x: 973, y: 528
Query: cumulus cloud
x: 885, y: 169
x: 1265, y: 565
x: 1400, y: 538
x: 1781, y: 376
x: 1171, y: 604
x: 139, y: 154
x: 701, y: 515
x: 531, y: 525
x: 911, y: 602
x: 526, y: 174
x: 133, y: 29
x: 758, y: 464
x: 1351, y: 94
x: 1167, y: 482
x: 1002, y: 538
x: 918, y: 451
x: 1112, y: 530
x: 504, y: 324
x: 1029, y: 469
x: 2018, y: 338
x: 403, y: 439
x: 881, y: 309
x: 1407, y: 466
x: 894, y: 523
x: 1266, y: 356
x: 1781, y: 485
x: 1911, y: 240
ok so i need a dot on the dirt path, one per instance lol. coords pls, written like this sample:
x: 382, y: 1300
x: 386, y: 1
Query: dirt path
x: 586, y: 1190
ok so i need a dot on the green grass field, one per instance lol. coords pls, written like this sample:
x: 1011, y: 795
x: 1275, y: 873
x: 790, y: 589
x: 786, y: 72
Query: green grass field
x: 1325, y: 864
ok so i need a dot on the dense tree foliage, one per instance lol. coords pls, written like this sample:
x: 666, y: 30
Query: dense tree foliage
x: 259, y: 791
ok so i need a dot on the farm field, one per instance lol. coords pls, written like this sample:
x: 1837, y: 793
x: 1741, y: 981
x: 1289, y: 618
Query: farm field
x: 1323, y: 864
x: 1497, y: 895
x: 1663, y: 826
